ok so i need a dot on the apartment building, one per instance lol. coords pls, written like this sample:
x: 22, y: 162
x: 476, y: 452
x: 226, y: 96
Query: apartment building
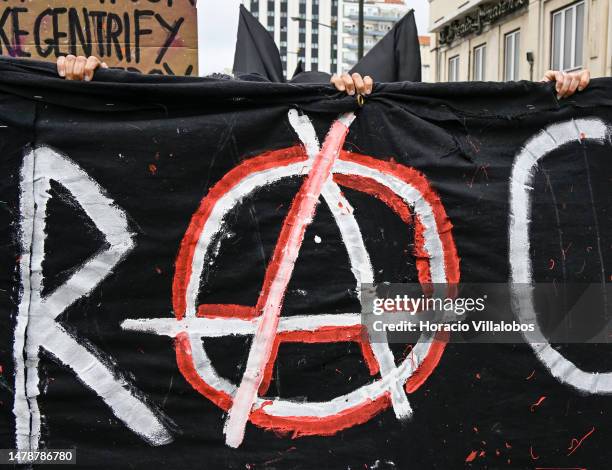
x: 518, y: 39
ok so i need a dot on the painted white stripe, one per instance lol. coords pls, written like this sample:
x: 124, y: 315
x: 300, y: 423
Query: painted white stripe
x: 521, y: 185
x: 306, y: 132
x: 221, y: 327
x: 113, y: 390
x: 21, y: 407
x: 38, y: 314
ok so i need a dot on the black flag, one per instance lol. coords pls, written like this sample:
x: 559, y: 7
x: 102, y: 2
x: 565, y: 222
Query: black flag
x: 299, y: 68
x: 396, y: 57
x: 256, y: 52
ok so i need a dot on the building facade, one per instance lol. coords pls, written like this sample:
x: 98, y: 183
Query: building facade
x: 379, y: 18
x: 424, y: 47
x: 518, y: 39
x: 305, y: 30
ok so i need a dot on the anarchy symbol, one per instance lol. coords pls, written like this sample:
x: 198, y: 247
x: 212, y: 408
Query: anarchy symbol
x: 325, y: 168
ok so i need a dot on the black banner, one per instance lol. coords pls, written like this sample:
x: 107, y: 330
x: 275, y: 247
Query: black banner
x: 182, y: 261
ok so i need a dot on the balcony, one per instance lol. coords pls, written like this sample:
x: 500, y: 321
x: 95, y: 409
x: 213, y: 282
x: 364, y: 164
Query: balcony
x: 355, y: 32
x: 390, y: 19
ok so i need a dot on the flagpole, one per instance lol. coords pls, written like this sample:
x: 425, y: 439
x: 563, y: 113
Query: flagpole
x: 360, y: 27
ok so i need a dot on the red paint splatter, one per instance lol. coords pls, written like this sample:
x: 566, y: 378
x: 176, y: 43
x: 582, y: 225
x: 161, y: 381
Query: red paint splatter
x: 533, y: 454
x: 475, y: 429
x: 472, y: 455
x: 551, y: 264
x: 153, y: 168
x: 537, y: 403
x: 575, y: 443
x: 482, y: 168
x: 508, y: 446
x: 478, y: 376
x: 158, y: 270
x: 482, y: 453
x: 530, y: 375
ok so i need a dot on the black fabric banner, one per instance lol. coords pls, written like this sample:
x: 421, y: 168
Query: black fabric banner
x: 181, y: 260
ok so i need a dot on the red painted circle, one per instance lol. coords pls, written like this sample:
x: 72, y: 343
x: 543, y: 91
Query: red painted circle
x: 300, y: 425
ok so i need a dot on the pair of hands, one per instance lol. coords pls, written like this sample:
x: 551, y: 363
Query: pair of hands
x: 83, y: 68
x: 79, y: 68
x: 567, y: 83
x: 352, y: 84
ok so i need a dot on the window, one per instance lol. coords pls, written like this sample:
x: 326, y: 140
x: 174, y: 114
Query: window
x: 512, y: 51
x: 568, y: 37
x: 453, y: 69
x: 480, y: 53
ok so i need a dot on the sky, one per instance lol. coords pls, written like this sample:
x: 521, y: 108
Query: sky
x: 218, y: 22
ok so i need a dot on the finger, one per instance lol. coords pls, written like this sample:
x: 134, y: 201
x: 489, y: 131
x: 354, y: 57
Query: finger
x: 573, y: 85
x: 585, y: 78
x: 104, y: 65
x: 348, y: 83
x: 337, y: 82
x: 359, y: 85
x: 559, y: 77
x: 90, y: 67
x: 567, y: 80
x: 70, y: 60
x: 61, y: 66
x: 549, y: 76
x: 369, y: 84
x: 79, y: 68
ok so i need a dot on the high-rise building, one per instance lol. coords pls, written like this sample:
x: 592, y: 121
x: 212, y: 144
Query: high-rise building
x: 379, y: 18
x: 304, y: 30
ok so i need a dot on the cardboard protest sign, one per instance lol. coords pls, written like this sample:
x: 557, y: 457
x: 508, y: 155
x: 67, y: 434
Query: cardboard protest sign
x: 149, y: 36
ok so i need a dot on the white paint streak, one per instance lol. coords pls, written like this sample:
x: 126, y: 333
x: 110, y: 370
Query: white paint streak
x: 521, y: 185
x: 36, y: 326
x: 219, y: 327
